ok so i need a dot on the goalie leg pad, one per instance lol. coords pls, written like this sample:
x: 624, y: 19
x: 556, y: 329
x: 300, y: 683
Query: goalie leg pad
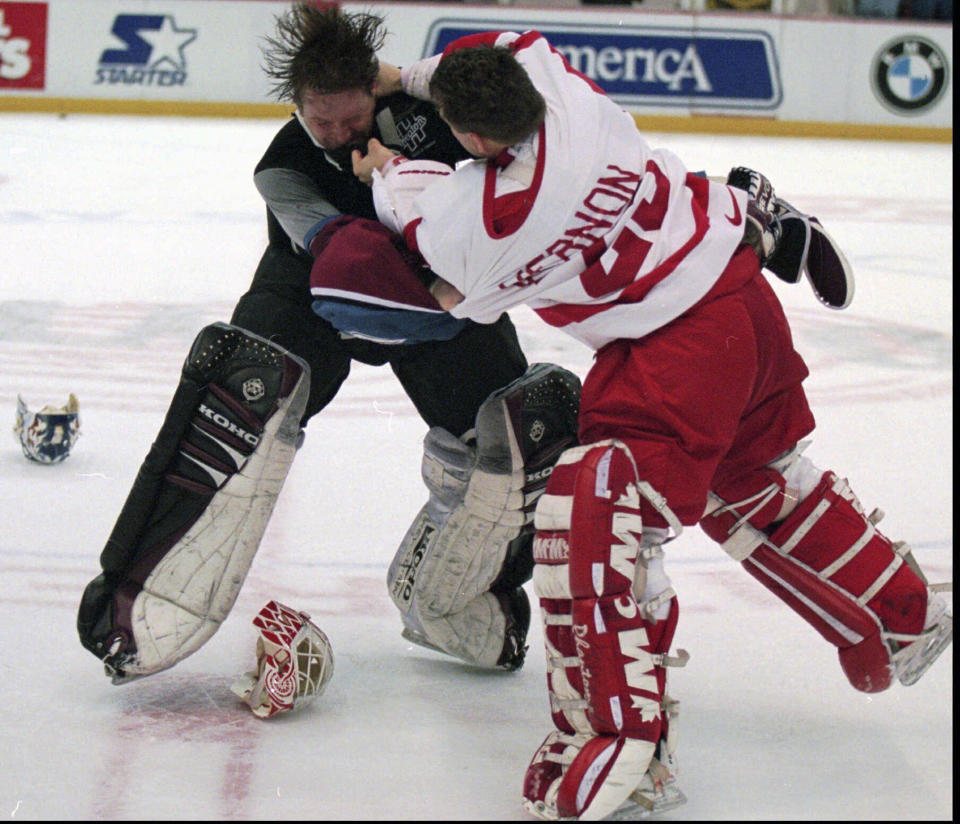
x: 457, y: 574
x: 605, y: 654
x: 831, y: 565
x: 188, y: 532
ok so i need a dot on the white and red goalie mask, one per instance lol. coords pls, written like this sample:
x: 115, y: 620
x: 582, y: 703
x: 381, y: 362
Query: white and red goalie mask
x: 294, y: 662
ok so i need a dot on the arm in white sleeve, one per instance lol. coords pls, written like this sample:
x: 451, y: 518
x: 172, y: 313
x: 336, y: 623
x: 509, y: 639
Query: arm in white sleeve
x: 397, y: 185
x: 416, y: 77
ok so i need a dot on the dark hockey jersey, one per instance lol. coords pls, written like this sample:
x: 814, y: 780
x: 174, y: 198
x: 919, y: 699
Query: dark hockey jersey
x: 304, y: 185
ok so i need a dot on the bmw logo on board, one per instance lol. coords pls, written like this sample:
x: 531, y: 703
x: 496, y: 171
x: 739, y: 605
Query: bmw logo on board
x: 909, y: 74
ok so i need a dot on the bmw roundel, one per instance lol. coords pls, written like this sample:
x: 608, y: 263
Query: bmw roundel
x: 909, y: 74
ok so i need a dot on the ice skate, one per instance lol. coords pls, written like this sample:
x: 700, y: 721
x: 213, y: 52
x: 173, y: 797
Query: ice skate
x: 919, y: 652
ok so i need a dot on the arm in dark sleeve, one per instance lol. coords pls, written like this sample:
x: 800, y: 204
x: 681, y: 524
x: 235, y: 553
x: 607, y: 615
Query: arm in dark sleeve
x: 296, y: 201
x: 304, y: 187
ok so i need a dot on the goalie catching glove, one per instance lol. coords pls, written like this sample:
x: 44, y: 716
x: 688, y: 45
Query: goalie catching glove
x: 457, y: 576
x: 184, y: 541
x: 790, y: 243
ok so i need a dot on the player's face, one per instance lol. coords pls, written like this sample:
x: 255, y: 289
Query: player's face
x: 340, y: 118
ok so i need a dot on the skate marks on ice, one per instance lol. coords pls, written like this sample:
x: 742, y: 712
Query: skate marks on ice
x: 898, y: 211
x: 853, y: 358
x: 127, y: 356
x: 857, y: 359
x: 165, y: 718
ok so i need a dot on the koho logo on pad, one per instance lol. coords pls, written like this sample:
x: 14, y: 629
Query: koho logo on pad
x: 23, y: 45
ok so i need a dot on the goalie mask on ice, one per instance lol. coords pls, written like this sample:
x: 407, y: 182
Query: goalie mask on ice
x: 47, y: 436
x: 184, y: 541
x: 294, y: 662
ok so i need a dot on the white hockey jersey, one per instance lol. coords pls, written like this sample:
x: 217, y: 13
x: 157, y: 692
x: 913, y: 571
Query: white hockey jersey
x: 616, y: 239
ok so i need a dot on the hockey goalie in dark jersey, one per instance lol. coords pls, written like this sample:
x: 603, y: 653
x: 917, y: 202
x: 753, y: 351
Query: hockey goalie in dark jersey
x: 184, y: 541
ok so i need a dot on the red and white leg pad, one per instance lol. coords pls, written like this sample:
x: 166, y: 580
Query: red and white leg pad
x: 605, y: 656
x: 830, y: 564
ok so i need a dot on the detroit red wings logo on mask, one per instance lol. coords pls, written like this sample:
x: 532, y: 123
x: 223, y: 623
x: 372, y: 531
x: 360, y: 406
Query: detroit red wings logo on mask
x: 294, y: 662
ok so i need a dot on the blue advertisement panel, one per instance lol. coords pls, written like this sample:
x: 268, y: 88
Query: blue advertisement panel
x: 655, y: 65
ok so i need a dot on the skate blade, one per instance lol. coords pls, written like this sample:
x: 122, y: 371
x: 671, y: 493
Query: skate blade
x: 639, y: 805
x: 415, y: 637
x: 922, y: 661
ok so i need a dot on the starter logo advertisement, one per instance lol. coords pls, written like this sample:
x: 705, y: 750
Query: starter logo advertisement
x: 153, y: 52
x: 909, y: 75
x: 655, y: 65
x: 23, y: 45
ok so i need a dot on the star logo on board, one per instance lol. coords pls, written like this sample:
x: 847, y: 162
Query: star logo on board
x: 152, y: 53
x: 168, y: 43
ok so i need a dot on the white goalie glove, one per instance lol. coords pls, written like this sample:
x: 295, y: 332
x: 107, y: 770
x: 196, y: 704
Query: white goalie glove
x: 457, y: 576
x: 294, y: 662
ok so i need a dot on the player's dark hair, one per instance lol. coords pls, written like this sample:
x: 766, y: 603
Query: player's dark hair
x: 324, y: 50
x: 485, y: 90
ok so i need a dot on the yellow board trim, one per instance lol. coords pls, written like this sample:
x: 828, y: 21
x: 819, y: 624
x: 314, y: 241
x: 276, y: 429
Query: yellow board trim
x: 769, y: 127
x: 696, y: 124
x: 177, y: 108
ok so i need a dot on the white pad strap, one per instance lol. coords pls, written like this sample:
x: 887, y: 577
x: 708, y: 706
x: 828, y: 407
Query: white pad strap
x: 800, y: 478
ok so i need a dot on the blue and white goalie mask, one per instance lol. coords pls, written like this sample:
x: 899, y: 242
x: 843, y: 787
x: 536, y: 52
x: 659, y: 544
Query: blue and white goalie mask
x: 47, y: 436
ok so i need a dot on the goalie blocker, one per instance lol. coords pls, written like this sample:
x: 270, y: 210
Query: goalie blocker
x: 191, y: 525
x: 458, y: 573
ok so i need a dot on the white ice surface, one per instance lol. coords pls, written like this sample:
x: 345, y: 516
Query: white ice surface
x: 121, y: 237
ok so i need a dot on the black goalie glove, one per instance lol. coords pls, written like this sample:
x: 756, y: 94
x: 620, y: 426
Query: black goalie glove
x: 762, y: 231
x: 790, y: 243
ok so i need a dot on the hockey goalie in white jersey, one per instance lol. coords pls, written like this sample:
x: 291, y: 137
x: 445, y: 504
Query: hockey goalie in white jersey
x: 693, y: 412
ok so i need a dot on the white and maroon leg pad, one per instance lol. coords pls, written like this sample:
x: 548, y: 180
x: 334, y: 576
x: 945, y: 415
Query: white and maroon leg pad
x: 604, y: 672
x: 830, y: 564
